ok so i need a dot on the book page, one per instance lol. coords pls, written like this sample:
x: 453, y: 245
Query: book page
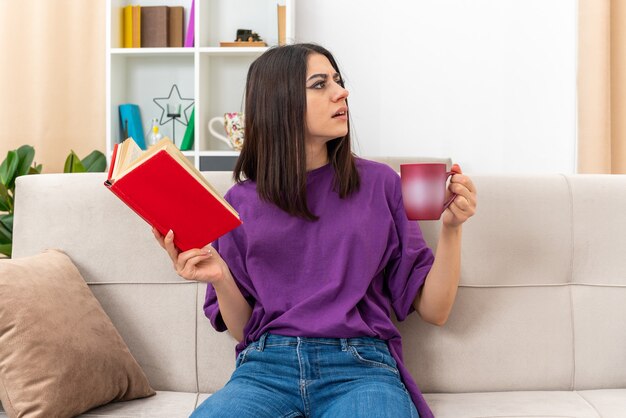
x: 141, y: 156
x: 127, y: 152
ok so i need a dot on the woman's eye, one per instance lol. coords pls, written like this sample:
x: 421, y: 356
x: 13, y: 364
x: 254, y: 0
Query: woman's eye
x: 319, y: 85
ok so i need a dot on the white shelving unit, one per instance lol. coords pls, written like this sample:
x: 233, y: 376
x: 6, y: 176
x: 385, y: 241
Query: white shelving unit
x: 213, y: 76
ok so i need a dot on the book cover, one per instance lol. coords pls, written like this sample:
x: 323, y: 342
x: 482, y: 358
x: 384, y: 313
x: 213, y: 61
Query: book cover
x: 154, y: 27
x: 128, y: 27
x: 187, y: 142
x: 136, y: 26
x: 130, y: 124
x: 132, y: 27
x: 176, y: 27
x: 168, y: 192
x: 111, y: 164
x: 190, y: 26
x: 282, y: 22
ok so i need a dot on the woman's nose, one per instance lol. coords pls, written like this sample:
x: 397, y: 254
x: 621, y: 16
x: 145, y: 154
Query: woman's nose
x: 341, y: 93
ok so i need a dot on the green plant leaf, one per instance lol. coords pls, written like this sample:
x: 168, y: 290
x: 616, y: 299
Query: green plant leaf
x: 6, y: 249
x: 35, y: 170
x: 95, y: 162
x: 5, y: 205
x: 26, y: 155
x: 8, y: 168
x: 73, y: 164
x: 7, y: 222
x: 6, y: 236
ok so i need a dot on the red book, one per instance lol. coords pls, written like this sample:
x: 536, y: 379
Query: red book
x: 168, y: 192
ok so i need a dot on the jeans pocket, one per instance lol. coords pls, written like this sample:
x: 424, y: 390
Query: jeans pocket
x: 241, y: 358
x: 374, y: 356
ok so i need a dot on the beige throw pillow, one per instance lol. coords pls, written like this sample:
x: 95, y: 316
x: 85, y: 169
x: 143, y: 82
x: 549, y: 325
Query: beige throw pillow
x: 60, y: 354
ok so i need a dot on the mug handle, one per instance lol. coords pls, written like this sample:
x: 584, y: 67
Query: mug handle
x: 451, y: 198
x: 216, y: 134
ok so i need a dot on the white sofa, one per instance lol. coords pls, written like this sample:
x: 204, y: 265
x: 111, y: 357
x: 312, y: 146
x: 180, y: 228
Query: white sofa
x: 538, y: 328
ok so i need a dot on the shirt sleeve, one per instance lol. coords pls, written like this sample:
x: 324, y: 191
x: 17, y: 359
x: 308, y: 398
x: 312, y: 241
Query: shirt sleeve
x: 410, y: 261
x: 231, y: 247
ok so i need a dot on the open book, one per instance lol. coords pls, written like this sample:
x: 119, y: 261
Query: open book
x: 164, y: 188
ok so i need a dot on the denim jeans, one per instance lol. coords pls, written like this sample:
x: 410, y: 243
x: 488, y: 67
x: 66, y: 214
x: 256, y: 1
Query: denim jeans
x: 280, y: 376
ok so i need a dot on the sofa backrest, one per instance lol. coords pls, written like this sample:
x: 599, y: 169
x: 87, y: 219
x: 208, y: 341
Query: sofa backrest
x: 541, y: 306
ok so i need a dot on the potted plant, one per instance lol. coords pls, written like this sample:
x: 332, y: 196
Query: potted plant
x: 19, y: 162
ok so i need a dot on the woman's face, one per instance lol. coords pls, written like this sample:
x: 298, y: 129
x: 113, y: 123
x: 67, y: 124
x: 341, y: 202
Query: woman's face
x: 327, y: 110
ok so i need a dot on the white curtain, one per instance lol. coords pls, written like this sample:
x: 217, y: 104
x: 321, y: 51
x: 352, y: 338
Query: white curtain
x: 52, y: 78
x: 602, y: 86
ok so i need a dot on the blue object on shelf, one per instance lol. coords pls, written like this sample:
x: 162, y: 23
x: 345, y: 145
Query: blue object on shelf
x: 130, y: 124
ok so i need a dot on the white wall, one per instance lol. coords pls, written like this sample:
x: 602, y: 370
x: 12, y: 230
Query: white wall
x: 489, y: 83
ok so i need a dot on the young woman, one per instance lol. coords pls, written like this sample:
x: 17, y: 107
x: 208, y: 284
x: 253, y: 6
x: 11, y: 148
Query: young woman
x: 307, y: 283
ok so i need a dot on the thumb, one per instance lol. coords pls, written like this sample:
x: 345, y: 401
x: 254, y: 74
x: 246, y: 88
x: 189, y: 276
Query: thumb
x: 456, y: 169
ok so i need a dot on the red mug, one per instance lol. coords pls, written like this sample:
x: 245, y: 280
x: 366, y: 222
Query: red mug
x: 424, y: 190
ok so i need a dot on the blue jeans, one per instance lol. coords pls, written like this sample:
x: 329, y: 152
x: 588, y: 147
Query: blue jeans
x: 285, y: 377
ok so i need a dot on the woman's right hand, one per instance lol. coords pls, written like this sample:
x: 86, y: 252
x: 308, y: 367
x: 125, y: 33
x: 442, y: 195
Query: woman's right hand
x: 198, y: 264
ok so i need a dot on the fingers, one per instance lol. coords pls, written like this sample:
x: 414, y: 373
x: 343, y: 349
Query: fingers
x: 158, y: 237
x: 462, y: 203
x: 457, y: 212
x: 188, y: 260
x: 466, y: 197
x: 463, y: 186
x: 465, y: 194
x: 183, y: 261
x: 193, y: 256
x: 168, y: 244
x: 463, y: 180
x: 196, y: 254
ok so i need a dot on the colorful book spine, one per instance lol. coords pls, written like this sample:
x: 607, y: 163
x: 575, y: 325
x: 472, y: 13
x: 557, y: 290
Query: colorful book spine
x: 176, y: 27
x: 282, y: 22
x: 187, y: 142
x: 136, y: 26
x: 128, y: 27
x: 189, y: 40
x: 130, y: 124
x: 154, y: 27
x: 132, y: 27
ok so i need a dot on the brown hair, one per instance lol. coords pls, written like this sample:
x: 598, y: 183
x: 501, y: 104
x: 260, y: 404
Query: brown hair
x: 273, y: 153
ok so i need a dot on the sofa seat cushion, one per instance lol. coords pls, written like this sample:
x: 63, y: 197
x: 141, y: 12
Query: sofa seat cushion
x: 610, y: 403
x: 605, y: 403
x: 536, y: 404
x: 163, y: 405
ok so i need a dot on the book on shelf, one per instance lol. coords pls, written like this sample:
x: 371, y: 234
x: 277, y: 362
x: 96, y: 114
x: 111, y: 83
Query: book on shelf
x: 154, y: 26
x: 176, y: 26
x: 132, y: 27
x: 136, y: 26
x: 165, y: 189
x: 130, y: 124
x: 187, y: 142
x: 282, y: 22
x: 189, y: 39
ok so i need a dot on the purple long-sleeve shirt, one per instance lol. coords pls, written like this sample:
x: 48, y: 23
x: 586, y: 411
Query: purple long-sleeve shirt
x: 338, y: 277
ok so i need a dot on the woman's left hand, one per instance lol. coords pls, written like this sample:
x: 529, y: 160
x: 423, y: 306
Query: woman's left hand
x: 464, y: 204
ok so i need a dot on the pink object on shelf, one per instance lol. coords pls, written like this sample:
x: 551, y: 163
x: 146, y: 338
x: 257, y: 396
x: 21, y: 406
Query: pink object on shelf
x: 190, y: 27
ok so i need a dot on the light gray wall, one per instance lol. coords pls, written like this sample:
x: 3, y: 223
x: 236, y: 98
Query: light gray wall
x: 489, y: 83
